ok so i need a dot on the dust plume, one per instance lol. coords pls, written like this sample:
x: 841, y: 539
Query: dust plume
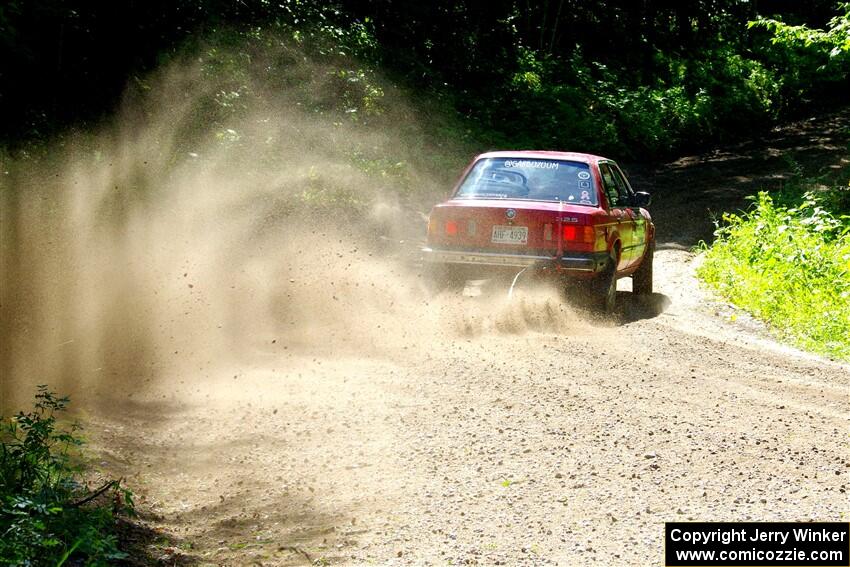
x: 181, y: 237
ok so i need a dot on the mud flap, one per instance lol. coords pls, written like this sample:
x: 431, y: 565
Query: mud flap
x: 443, y: 277
x: 642, y: 278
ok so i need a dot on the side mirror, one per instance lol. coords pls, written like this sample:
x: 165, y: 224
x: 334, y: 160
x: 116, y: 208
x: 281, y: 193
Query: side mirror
x: 641, y: 199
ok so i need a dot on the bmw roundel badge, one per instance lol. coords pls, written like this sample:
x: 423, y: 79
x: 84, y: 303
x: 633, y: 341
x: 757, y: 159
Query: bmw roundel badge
x: 511, y: 214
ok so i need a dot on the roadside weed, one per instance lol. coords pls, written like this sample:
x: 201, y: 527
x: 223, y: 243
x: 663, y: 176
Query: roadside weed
x: 47, y: 515
x: 789, y: 266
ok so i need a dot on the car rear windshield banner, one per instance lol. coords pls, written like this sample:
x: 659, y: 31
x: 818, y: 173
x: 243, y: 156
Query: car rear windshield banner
x: 765, y: 544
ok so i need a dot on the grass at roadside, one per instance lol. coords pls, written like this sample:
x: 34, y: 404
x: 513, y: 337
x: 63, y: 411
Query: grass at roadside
x: 47, y: 514
x: 787, y: 261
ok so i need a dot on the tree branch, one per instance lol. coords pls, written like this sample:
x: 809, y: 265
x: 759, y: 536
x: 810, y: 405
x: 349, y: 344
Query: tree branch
x: 97, y: 493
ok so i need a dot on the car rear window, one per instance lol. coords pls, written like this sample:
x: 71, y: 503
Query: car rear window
x: 532, y: 179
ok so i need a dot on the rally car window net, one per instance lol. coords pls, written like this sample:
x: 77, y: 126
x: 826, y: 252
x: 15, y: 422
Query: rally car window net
x: 531, y: 179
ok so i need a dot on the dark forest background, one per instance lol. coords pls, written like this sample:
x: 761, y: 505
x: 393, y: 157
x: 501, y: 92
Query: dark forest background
x: 644, y: 78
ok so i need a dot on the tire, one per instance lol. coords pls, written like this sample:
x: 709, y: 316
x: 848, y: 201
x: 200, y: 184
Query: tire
x: 604, y: 289
x: 642, y: 278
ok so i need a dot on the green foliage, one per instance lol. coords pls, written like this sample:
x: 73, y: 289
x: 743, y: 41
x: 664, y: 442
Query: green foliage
x: 645, y: 79
x: 321, y: 67
x: 652, y: 100
x: 592, y: 106
x: 835, y: 41
x: 45, y: 518
x: 790, y: 266
x: 812, y: 61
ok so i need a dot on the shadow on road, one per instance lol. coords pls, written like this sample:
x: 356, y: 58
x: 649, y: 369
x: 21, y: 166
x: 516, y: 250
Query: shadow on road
x: 150, y: 546
x: 636, y: 307
x: 630, y: 308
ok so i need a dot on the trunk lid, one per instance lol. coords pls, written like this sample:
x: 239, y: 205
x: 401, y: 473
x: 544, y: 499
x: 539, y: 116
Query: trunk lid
x: 513, y: 226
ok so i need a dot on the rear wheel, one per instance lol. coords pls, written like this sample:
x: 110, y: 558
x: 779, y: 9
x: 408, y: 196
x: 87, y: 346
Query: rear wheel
x: 604, y: 289
x: 599, y: 294
x: 642, y: 278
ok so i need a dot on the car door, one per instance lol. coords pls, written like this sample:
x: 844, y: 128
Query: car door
x: 620, y: 213
x: 637, y: 215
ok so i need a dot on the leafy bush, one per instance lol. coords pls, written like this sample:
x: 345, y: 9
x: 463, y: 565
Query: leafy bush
x: 579, y: 104
x: 790, y: 266
x: 812, y: 61
x: 46, y: 514
x: 732, y: 84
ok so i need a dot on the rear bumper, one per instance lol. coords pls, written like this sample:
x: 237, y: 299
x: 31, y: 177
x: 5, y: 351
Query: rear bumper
x: 573, y: 262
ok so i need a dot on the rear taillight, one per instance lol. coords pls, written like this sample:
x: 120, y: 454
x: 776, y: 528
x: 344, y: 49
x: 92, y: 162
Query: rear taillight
x: 451, y: 228
x: 573, y: 233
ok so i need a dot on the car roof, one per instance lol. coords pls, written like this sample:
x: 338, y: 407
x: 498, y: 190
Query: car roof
x: 544, y: 154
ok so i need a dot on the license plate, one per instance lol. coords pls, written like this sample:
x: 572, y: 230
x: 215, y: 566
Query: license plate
x: 510, y: 234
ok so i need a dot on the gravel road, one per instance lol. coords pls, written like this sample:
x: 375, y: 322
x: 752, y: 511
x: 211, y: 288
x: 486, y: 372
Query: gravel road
x: 472, y: 430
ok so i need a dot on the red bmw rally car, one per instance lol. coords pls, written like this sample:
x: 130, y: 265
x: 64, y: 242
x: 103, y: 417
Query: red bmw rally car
x: 563, y: 215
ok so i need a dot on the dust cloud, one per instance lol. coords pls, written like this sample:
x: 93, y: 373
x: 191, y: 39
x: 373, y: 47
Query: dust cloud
x: 173, y: 242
